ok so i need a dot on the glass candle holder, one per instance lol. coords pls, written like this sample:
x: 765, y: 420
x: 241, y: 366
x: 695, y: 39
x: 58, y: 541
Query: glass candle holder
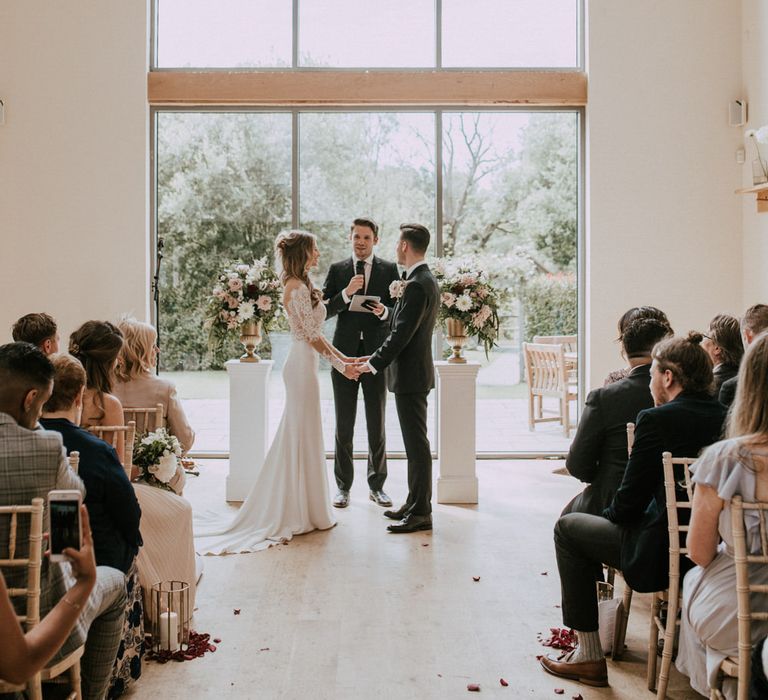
x: 170, y: 616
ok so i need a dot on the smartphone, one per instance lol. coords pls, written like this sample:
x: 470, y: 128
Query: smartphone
x: 64, y: 522
x: 369, y: 304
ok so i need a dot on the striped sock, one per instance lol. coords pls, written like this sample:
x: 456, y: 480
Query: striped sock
x: 589, y: 648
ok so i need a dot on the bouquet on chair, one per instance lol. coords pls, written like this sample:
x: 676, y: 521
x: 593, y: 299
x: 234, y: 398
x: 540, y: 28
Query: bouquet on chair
x: 467, y: 295
x: 157, y: 456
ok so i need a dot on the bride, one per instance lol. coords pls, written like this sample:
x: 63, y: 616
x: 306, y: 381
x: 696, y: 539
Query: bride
x: 290, y: 495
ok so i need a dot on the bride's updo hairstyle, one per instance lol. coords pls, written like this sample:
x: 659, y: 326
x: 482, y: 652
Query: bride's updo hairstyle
x: 97, y: 344
x: 687, y: 360
x: 294, y: 250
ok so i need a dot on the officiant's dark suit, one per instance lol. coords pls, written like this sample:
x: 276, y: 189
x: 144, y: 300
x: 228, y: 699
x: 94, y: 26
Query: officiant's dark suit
x: 407, y: 352
x: 359, y: 335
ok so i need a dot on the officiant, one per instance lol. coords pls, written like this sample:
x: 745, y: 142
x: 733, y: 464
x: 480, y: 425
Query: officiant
x: 357, y: 292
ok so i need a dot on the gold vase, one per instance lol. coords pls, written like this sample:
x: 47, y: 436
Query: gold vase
x: 456, y: 334
x: 250, y: 337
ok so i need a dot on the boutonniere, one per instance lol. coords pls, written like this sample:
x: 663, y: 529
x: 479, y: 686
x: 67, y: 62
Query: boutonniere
x: 397, y: 288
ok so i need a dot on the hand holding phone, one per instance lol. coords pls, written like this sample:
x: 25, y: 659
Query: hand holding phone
x: 65, y: 526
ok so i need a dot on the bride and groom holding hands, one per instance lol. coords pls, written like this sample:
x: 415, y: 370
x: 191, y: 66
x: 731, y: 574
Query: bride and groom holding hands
x: 388, y: 348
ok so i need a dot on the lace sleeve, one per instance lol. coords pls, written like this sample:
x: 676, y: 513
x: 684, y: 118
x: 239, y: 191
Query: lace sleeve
x: 299, y: 309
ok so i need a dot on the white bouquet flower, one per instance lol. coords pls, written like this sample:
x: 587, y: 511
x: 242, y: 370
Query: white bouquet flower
x: 157, y: 456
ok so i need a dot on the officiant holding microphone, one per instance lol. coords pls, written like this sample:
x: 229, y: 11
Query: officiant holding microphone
x: 357, y: 291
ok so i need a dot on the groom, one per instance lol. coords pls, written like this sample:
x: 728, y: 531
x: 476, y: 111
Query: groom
x: 408, y: 349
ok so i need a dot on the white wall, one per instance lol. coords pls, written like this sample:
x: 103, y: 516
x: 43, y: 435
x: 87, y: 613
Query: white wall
x: 73, y: 160
x: 755, y: 226
x: 664, y: 225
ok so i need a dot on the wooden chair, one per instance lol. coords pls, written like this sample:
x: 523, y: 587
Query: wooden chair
x: 547, y: 376
x: 129, y: 433
x: 739, y: 667
x: 146, y: 419
x: 31, y: 592
x: 570, y: 342
x: 74, y: 460
x: 621, y: 630
x: 670, y: 599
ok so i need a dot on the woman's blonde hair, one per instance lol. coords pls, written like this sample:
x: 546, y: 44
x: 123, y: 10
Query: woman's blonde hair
x: 748, y: 417
x: 295, y: 249
x: 136, y: 355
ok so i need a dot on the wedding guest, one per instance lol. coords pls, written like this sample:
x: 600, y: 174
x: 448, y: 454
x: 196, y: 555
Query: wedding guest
x: 24, y: 654
x: 632, y: 535
x: 627, y: 317
x: 110, y: 499
x: 137, y: 385
x: 598, y: 453
x: 754, y: 322
x: 168, y: 553
x: 38, y: 329
x: 359, y: 334
x: 735, y: 466
x: 723, y: 344
x: 97, y: 345
x: 32, y: 463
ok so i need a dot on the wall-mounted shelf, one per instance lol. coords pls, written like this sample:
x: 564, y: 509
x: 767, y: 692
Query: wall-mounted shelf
x: 761, y: 192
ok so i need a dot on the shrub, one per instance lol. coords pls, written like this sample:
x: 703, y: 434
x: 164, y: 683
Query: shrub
x: 550, y: 305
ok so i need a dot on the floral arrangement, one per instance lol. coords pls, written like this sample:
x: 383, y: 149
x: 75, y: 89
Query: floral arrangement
x: 467, y: 295
x: 156, y: 456
x: 243, y: 293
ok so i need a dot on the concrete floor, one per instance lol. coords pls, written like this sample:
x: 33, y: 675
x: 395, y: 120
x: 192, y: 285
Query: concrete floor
x: 357, y: 613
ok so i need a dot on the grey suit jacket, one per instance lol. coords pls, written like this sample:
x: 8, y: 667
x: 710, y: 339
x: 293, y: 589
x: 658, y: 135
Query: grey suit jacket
x: 32, y: 463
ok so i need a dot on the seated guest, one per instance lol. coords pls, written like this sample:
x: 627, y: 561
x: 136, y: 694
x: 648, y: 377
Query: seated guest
x: 111, y: 502
x: 737, y: 466
x: 97, y: 345
x: 137, y: 385
x: 598, y: 453
x: 723, y: 344
x: 754, y: 322
x: 26, y: 654
x: 632, y: 536
x: 630, y: 315
x: 38, y: 329
x: 32, y: 463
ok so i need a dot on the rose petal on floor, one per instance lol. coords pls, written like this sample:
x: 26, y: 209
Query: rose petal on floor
x: 473, y: 688
x: 503, y: 682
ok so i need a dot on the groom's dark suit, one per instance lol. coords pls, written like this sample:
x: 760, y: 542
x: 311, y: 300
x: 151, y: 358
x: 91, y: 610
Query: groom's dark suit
x: 357, y: 335
x: 407, y: 352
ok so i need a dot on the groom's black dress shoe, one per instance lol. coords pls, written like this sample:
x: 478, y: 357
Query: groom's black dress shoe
x: 412, y: 523
x: 398, y: 514
x: 341, y: 499
x: 381, y: 499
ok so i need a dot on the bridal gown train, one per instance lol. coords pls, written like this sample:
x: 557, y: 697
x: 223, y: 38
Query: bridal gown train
x: 290, y: 495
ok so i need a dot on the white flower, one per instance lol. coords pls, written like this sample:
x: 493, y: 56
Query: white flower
x: 242, y: 269
x: 246, y: 311
x: 165, y: 469
x: 448, y: 299
x: 397, y: 288
x: 467, y: 279
x: 464, y: 303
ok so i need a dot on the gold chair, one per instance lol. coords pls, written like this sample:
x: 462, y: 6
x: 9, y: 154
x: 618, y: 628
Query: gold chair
x: 739, y: 667
x: 74, y: 460
x: 547, y: 376
x: 146, y: 419
x: 670, y: 599
x: 31, y: 592
x: 112, y: 432
x: 630, y: 438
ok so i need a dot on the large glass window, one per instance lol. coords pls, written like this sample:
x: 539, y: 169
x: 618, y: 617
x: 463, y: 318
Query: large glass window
x: 367, y: 34
x: 506, y: 193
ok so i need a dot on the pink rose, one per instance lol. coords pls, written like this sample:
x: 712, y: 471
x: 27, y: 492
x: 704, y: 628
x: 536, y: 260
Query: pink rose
x: 235, y: 284
x: 232, y: 302
x: 264, y: 303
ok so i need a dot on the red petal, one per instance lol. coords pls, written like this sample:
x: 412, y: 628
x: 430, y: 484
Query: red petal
x: 264, y: 649
x: 544, y: 573
x: 475, y: 578
x: 473, y: 688
x: 236, y: 611
x: 425, y: 544
x: 211, y: 647
x: 559, y: 691
x: 577, y: 697
x: 217, y: 640
x: 503, y: 682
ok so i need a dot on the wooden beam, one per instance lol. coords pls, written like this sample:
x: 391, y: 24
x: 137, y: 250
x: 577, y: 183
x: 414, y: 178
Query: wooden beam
x: 359, y: 88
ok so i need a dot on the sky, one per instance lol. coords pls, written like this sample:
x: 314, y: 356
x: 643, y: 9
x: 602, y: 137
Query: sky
x: 368, y: 33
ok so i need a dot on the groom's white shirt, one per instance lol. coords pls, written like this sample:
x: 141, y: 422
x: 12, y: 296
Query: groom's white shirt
x: 408, y: 274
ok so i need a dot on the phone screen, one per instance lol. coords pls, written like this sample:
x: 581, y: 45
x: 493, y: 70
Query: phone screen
x: 65, y: 525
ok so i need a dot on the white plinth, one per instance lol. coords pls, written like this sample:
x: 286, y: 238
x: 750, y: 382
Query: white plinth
x: 248, y: 424
x: 456, y: 395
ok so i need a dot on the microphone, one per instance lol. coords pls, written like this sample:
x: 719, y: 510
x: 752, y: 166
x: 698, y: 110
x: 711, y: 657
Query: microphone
x: 360, y: 267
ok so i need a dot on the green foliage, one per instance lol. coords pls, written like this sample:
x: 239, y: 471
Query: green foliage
x: 550, y: 305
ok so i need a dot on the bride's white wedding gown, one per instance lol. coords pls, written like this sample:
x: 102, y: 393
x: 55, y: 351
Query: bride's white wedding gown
x: 290, y: 495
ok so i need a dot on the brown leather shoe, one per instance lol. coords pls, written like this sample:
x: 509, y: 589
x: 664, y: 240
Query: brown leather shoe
x: 588, y: 672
